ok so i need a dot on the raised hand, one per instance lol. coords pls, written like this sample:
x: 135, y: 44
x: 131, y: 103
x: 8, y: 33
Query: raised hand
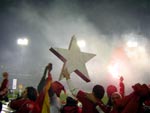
x: 66, y: 73
x: 49, y: 67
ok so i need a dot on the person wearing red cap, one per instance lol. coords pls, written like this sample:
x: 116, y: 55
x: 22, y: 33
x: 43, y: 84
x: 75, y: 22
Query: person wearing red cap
x: 4, y: 86
x: 26, y: 103
x: 132, y: 103
x: 110, y: 90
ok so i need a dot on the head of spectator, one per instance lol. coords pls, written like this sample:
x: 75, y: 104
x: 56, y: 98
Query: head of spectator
x: 121, y: 78
x: 115, y: 96
x: 5, y: 75
x: 71, y: 102
x: 30, y: 93
x: 111, y: 89
x: 98, y: 91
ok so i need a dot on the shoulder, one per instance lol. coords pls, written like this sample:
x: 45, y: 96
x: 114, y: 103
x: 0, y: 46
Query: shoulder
x: 81, y: 93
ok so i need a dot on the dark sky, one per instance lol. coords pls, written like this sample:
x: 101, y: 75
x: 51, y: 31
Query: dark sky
x: 103, y: 24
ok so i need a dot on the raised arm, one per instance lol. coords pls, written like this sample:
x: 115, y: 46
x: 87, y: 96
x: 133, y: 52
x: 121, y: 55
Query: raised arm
x: 42, y: 82
x: 72, y: 89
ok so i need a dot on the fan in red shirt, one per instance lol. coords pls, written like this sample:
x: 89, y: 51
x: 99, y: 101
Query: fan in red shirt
x: 132, y: 103
x: 4, y: 86
x: 25, y: 103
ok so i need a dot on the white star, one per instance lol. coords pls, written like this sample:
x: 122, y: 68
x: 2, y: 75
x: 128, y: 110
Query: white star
x: 74, y: 60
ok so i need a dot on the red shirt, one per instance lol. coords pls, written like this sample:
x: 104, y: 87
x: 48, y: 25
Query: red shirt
x: 128, y: 104
x: 87, y: 105
x: 4, y: 84
x: 4, y: 87
x: 23, y: 106
x: 70, y: 109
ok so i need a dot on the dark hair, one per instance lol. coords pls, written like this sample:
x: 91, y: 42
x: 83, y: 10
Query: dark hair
x: 5, y: 74
x: 71, y: 102
x: 31, y: 93
x: 71, y: 106
x: 98, y: 91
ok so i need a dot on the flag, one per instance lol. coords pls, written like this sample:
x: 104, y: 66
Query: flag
x: 43, y: 100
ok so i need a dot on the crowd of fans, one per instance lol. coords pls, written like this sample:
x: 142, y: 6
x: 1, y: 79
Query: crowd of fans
x: 137, y: 101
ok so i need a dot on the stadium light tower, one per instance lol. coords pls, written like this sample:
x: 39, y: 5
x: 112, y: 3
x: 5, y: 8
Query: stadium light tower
x: 81, y: 43
x: 22, y: 41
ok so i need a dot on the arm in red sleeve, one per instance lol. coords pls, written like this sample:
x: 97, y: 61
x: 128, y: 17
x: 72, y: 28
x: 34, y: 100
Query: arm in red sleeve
x: 16, y: 104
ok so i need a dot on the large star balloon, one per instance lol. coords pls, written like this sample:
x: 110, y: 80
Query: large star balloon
x: 74, y: 60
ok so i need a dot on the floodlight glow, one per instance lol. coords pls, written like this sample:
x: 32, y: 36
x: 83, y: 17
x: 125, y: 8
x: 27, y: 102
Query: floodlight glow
x: 141, y: 49
x: 23, y: 42
x: 81, y: 43
x: 132, y: 44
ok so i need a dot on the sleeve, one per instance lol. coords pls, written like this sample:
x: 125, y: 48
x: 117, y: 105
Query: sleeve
x: 142, y: 90
x: 121, y: 103
x: 22, y: 105
x: 72, y: 89
x: 133, y: 105
x: 16, y: 104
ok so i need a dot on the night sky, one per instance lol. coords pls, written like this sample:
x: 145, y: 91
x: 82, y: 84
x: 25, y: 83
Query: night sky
x: 105, y: 25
